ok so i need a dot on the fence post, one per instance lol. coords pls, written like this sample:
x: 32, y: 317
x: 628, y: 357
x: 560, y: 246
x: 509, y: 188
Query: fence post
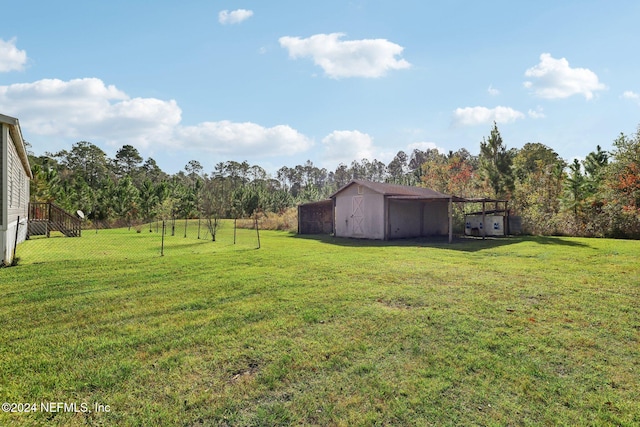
x: 15, y: 242
x: 257, y: 231
x: 29, y: 216
x: 162, y: 244
x: 48, y: 223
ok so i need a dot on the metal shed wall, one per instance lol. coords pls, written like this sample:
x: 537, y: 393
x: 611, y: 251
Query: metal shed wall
x: 404, y: 219
x: 408, y: 218
x: 436, y: 218
x: 316, y: 218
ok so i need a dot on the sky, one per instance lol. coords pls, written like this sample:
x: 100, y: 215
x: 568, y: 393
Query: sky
x: 281, y: 82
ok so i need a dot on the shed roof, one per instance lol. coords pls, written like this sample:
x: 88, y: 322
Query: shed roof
x: 397, y: 191
x: 318, y: 203
x: 485, y: 199
x: 16, y: 135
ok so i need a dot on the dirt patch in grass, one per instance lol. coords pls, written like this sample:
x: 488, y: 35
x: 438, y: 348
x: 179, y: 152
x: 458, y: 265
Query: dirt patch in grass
x: 245, y: 374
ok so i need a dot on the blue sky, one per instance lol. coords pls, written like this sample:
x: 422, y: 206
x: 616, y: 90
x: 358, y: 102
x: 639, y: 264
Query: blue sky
x: 276, y: 83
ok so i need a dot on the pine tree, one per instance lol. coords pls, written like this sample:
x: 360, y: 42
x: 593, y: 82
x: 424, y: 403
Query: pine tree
x: 575, y: 189
x: 495, y: 164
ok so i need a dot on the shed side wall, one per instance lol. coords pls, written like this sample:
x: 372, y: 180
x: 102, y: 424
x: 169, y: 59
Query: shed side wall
x: 436, y: 218
x: 404, y: 219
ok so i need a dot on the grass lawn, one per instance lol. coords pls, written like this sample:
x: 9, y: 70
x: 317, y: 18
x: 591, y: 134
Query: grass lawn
x: 321, y: 331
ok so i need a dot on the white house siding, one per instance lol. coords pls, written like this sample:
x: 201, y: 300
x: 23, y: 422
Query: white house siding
x: 3, y: 167
x: 4, y: 137
x: 15, y: 197
x: 368, y: 221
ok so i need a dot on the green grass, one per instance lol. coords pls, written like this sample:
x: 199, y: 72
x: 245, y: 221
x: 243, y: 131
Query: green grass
x: 306, y: 331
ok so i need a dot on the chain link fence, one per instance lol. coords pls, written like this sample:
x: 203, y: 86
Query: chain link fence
x: 119, y: 240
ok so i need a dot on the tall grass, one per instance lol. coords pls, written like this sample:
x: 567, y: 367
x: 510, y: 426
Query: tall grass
x: 283, y: 221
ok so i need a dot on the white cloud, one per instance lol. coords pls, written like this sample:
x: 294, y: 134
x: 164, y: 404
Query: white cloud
x: 11, y: 58
x: 538, y: 113
x: 471, y: 116
x: 356, y: 58
x: 344, y: 146
x: 244, y: 139
x: 555, y: 79
x: 633, y: 96
x: 87, y: 108
x: 234, y: 17
x: 493, y: 91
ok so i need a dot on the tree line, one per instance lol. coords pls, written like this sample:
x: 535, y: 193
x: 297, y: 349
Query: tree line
x: 599, y: 196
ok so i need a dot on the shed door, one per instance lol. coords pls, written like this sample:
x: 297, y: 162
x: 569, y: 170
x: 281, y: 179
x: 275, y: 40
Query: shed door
x: 357, y: 216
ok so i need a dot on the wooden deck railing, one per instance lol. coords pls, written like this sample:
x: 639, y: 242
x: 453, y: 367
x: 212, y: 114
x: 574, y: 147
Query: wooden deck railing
x: 47, y: 217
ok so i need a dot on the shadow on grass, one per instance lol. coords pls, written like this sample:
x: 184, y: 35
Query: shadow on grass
x: 177, y: 246
x: 459, y: 243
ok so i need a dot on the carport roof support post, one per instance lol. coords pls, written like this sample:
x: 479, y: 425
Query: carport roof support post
x: 450, y: 219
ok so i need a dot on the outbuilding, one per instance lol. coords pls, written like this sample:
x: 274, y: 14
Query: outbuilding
x: 373, y: 210
x: 493, y: 222
x: 15, y: 175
